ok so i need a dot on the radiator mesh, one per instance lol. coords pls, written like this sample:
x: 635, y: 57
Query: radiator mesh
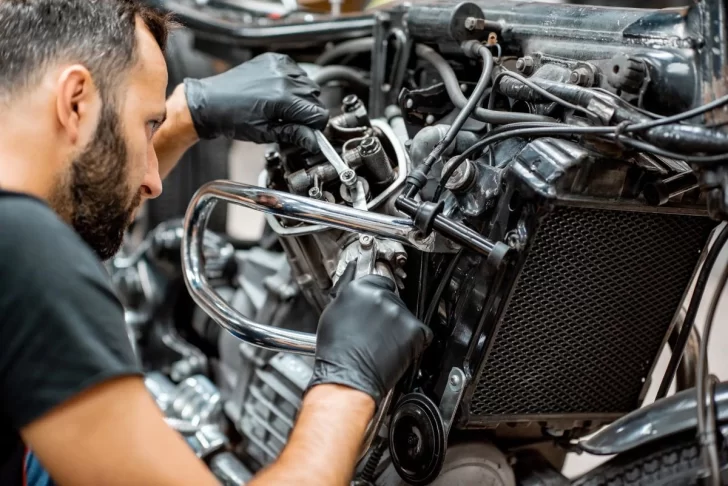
x: 589, y: 313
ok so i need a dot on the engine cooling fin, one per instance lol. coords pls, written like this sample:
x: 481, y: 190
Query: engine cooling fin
x: 588, y: 315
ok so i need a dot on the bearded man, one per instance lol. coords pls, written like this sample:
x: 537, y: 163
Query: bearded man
x: 85, y: 137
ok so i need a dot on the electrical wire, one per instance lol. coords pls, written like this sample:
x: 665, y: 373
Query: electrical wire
x: 706, y: 428
x: 444, y: 281
x: 648, y: 147
x: 477, y: 94
x: 508, y: 131
x: 723, y: 100
x: 538, y: 89
x: 695, y: 301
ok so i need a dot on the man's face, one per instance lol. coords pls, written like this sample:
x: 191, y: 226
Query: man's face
x: 117, y: 170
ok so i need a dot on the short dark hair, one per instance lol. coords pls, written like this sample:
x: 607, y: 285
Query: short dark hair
x: 100, y: 34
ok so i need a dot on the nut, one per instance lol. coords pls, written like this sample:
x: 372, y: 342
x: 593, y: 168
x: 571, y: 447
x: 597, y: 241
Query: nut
x: 368, y: 146
x: 366, y: 241
x: 348, y: 177
x: 581, y: 77
x: 525, y: 65
x: 351, y: 103
x: 474, y: 23
x: 401, y: 260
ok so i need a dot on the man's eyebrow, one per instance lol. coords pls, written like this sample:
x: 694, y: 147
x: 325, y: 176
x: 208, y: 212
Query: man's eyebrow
x: 160, y: 117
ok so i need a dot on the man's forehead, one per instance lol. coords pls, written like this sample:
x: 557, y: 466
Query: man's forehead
x: 151, y: 67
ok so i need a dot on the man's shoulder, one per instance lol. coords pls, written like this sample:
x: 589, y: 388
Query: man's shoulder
x: 28, y: 225
x: 37, y: 246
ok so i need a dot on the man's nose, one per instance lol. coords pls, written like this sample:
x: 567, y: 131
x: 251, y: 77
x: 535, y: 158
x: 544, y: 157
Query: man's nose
x: 152, y: 183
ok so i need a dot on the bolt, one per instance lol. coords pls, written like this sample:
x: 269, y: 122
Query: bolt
x: 430, y: 119
x: 368, y: 146
x: 348, y: 177
x: 525, y: 65
x: 315, y: 193
x: 412, y: 440
x: 401, y: 260
x: 272, y: 158
x: 463, y: 87
x: 351, y: 103
x: 580, y: 77
x: 410, y: 103
x: 474, y: 23
x: 455, y: 381
x: 366, y: 241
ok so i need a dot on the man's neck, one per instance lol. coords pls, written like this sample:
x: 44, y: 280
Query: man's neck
x: 27, y: 159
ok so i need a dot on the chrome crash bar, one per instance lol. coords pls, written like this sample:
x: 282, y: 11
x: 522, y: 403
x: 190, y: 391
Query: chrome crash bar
x: 284, y: 205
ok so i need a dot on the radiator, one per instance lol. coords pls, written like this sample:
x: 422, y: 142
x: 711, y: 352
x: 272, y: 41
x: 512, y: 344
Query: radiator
x: 588, y: 314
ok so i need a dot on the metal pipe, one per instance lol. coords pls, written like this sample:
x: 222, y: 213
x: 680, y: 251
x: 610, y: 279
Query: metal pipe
x: 280, y: 204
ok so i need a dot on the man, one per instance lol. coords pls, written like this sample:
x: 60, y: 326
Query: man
x: 86, y: 133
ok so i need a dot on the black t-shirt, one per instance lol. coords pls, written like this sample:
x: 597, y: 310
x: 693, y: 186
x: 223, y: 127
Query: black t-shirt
x: 61, y: 325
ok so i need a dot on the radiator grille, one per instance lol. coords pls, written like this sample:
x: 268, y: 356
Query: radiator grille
x: 589, y: 313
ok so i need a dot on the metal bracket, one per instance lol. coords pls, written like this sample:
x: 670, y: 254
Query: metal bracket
x: 456, y: 384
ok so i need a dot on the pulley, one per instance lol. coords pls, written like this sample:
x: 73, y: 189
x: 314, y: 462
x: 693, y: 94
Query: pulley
x: 417, y: 441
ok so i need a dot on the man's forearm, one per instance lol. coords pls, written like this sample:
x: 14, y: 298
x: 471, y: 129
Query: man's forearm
x: 325, y: 443
x: 176, y: 135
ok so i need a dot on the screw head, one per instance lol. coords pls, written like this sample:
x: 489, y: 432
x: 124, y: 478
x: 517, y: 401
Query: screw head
x: 525, y: 65
x: 463, y: 87
x: 366, y: 241
x: 430, y: 119
x: 368, y: 145
x: 348, y: 177
x: 401, y: 260
x: 455, y: 381
x: 410, y: 103
x: 315, y: 192
x: 350, y: 103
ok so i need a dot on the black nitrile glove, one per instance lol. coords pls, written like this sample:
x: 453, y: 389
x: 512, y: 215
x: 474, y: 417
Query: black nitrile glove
x: 267, y: 99
x: 367, y: 338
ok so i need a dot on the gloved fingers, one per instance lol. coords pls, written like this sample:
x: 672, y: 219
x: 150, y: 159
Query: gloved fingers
x: 378, y: 281
x: 302, y: 111
x: 346, y: 278
x: 298, y: 135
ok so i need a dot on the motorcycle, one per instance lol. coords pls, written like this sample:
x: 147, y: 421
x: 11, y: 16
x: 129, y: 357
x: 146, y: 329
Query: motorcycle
x: 545, y: 185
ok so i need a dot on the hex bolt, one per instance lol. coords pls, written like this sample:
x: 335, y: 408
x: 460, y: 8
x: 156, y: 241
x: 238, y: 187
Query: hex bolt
x: 474, y: 23
x: 366, y: 241
x: 580, y: 77
x: 455, y: 382
x: 525, y: 65
x: 348, y: 177
x: 350, y: 103
x: 368, y: 146
x: 315, y: 193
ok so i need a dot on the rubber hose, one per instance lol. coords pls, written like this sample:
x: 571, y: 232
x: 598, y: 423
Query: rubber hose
x: 340, y: 73
x: 356, y: 46
x: 452, y: 85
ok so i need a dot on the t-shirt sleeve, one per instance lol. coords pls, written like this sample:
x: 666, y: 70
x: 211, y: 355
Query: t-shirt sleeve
x: 62, y: 327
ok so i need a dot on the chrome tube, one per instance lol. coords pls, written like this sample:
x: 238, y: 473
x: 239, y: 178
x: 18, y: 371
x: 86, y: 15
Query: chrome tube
x: 284, y: 205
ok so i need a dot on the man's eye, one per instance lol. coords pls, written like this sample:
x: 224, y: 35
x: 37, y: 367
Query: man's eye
x: 153, y: 126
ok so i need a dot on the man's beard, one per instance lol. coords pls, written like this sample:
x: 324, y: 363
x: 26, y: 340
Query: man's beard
x: 95, y: 196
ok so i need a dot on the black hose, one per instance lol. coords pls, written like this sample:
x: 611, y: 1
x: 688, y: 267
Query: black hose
x: 509, y: 131
x: 452, y: 85
x: 472, y: 48
x: 444, y: 281
x: 356, y: 46
x: 340, y: 73
x: 706, y: 427
x: 692, y: 312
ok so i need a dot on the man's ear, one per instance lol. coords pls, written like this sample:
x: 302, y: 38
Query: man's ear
x: 78, y: 104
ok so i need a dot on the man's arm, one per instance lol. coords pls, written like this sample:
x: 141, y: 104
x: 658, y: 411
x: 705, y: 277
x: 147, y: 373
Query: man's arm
x: 325, y: 443
x: 176, y: 135
x: 113, y: 434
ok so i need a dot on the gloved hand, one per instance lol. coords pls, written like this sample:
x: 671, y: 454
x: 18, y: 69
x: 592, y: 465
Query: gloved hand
x: 267, y: 99
x: 367, y: 338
